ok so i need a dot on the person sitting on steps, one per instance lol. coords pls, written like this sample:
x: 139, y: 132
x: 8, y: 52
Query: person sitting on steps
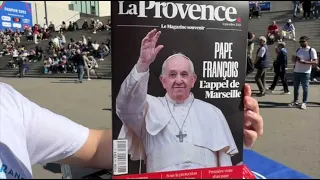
x: 273, y: 33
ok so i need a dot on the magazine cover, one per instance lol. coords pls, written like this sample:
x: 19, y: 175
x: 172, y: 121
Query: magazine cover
x: 178, y: 69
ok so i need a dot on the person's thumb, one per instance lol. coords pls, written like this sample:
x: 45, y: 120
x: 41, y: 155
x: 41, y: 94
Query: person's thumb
x: 247, y: 90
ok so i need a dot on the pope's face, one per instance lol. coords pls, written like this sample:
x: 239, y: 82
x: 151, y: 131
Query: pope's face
x: 178, y: 78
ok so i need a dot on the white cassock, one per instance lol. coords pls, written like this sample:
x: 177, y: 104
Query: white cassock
x: 152, y: 132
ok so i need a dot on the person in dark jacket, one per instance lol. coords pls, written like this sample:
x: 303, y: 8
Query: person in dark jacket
x: 280, y: 68
x: 78, y: 59
x: 255, y: 11
x: 315, y: 71
x: 21, y: 63
x: 296, y: 8
x: 85, y: 25
x: 306, y: 5
x: 262, y: 64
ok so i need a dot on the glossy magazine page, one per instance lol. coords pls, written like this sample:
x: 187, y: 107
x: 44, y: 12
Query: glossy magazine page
x: 178, y: 69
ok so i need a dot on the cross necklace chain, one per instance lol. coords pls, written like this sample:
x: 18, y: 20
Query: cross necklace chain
x: 180, y: 136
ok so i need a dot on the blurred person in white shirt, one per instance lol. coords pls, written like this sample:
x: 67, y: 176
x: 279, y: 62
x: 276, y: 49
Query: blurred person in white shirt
x: 289, y: 31
x: 86, y: 64
x: 56, y: 42
x: 93, y: 66
x: 45, y: 26
x: 84, y: 40
x: 304, y: 59
x: 62, y: 39
x: 95, y: 45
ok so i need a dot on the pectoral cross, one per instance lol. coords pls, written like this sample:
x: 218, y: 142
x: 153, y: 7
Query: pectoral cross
x: 181, y: 136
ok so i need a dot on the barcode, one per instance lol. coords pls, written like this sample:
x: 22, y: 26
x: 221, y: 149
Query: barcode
x: 120, y: 157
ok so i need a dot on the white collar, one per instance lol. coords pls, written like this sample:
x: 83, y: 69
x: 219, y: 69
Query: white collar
x: 187, y: 101
x: 307, y: 47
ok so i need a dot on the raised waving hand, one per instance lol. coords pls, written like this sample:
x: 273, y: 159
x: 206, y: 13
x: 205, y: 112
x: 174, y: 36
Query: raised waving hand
x: 148, y: 50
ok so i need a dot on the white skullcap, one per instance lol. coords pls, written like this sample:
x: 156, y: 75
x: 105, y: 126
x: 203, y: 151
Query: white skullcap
x: 178, y: 54
x: 263, y: 38
x: 174, y: 55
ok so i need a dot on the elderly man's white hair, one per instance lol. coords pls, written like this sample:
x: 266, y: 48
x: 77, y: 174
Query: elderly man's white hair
x: 164, y: 65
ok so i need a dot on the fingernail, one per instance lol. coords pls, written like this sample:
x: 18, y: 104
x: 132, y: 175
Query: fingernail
x: 250, y: 113
x: 248, y: 123
x: 248, y: 145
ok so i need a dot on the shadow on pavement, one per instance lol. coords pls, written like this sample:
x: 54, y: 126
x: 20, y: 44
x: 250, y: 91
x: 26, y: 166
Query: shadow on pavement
x: 268, y: 104
x: 52, y: 167
x: 65, y: 81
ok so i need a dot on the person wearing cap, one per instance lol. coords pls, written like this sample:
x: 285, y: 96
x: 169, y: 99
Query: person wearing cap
x: 280, y: 68
x: 262, y: 64
x: 304, y: 59
x: 289, y: 29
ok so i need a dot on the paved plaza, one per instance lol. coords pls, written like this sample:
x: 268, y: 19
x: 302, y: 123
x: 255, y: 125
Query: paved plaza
x: 291, y: 136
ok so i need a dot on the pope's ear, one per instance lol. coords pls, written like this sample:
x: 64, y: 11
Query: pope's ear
x: 162, y: 79
x: 194, y: 79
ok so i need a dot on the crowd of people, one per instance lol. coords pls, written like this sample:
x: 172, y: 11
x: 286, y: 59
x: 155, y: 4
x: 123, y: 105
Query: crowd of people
x: 94, y: 25
x: 66, y: 57
x: 59, y: 55
x: 10, y: 45
x: 306, y: 67
x: 305, y: 59
x: 309, y: 9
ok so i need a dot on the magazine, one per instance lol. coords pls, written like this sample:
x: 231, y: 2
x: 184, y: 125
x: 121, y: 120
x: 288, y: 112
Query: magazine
x: 178, y: 69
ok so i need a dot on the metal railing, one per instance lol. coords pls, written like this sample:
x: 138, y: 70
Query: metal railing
x: 58, y: 27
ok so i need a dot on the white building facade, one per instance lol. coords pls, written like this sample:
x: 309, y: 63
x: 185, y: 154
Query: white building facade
x: 58, y: 11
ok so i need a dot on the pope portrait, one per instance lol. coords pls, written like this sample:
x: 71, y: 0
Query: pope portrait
x: 176, y: 131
